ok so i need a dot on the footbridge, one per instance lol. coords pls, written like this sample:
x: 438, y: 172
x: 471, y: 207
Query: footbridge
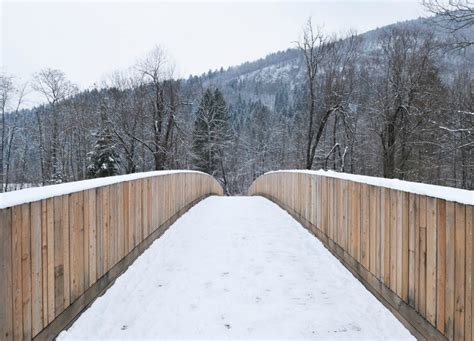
x: 307, y: 254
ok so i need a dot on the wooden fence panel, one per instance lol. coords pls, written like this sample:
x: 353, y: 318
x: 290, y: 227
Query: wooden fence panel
x: 6, y: 279
x: 419, y: 248
x: 54, y: 249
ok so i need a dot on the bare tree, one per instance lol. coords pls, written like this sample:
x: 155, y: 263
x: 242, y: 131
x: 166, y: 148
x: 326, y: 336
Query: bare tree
x: 455, y: 16
x: 157, y: 73
x: 55, y: 87
x: 314, y: 46
x: 11, y: 98
x: 405, y: 96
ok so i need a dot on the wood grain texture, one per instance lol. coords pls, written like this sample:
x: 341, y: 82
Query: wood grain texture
x: 36, y: 269
x: 6, y: 280
x: 419, y: 249
x: 431, y: 260
x: 26, y: 270
x: 53, y: 251
x: 17, y: 274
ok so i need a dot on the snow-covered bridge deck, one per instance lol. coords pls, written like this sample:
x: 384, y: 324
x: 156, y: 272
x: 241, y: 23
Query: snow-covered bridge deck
x: 237, y: 267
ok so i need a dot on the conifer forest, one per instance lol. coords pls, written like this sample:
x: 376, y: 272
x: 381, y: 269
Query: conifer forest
x: 394, y: 102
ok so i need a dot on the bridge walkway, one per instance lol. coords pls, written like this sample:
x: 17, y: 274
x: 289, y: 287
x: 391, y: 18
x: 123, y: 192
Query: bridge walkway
x: 237, y: 267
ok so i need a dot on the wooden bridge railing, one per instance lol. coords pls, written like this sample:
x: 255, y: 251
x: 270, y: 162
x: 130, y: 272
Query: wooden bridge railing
x: 62, y: 245
x: 413, y: 251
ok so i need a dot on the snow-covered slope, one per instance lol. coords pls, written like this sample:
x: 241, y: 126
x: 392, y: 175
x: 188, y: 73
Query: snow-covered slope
x: 285, y: 69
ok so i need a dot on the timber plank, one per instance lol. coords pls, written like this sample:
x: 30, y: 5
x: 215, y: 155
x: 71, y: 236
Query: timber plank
x: 6, y: 280
x: 373, y: 231
x: 431, y: 254
x: 441, y: 265
x: 17, y: 274
x: 399, y: 245
x: 26, y: 270
x: 411, y: 248
x: 50, y: 237
x: 405, y: 246
x: 459, y: 270
x: 393, y: 240
x: 44, y: 256
x: 92, y: 245
x: 365, y: 226
x: 86, y: 225
x: 422, y: 276
x: 105, y: 210
x: 36, y: 269
x: 469, y: 273
x: 61, y: 228
x: 120, y: 223
x: 385, y: 219
x: 449, y: 293
x: 76, y: 226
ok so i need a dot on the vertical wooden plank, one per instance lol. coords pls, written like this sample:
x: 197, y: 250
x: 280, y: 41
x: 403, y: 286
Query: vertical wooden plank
x: 417, y: 252
x: 450, y: 247
x: 422, y: 276
x: 441, y: 265
x: 61, y: 227
x: 385, y: 208
x: 460, y: 270
x: 104, y: 257
x: 149, y: 202
x: 44, y: 256
x: 120, y: 223
x: 112, y: 227
x: 131, y: 216
x: 393, y: 240
x: 126, y: 216
x: 50, y: 252
x: 92, y: 227
x: 411, y: 248
x: 66, y: 267
x: 379, y: 239
x: 405, y: 246
x: 431, y: 254
x: 373, y: 229
x: 17, y: 274
x: 144, y: 212
x: 356, y: 220
x: 469, y: 325
x: 138, y: 212
x: 399, y: 233
x: 86, y: 225
x: 364, y: 226
x: 26, y: 269
x: 324, y: 193
x: 99, y: 223
x: 76, y: 226
x: 345, y: 214
x: 6, y: 280
x: 36, y: 269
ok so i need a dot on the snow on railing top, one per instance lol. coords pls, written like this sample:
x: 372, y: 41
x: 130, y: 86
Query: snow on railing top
x: 26, y: 195
x: 447, y: 193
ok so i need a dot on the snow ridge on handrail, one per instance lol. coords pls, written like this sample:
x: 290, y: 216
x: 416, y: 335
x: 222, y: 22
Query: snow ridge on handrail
x: 441, y: 192
x: 26, y: 195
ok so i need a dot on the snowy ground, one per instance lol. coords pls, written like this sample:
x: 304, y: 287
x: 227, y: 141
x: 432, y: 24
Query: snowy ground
x: 237, y: 267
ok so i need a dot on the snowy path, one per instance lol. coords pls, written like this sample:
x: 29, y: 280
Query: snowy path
x: 237, y: 267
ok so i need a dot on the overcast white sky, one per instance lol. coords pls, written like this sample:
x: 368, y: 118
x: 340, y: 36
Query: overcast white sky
x: 89, y: 39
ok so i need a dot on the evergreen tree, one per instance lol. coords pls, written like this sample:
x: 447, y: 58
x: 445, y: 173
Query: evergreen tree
x: 212, y: 134
x: 104, y: 159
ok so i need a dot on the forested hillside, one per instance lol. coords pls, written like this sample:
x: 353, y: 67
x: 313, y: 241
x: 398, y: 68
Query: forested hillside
x: 394, y: 102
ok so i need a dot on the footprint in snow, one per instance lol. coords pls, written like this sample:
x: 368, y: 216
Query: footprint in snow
x: 124, y: 327
x: 227, y: 326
